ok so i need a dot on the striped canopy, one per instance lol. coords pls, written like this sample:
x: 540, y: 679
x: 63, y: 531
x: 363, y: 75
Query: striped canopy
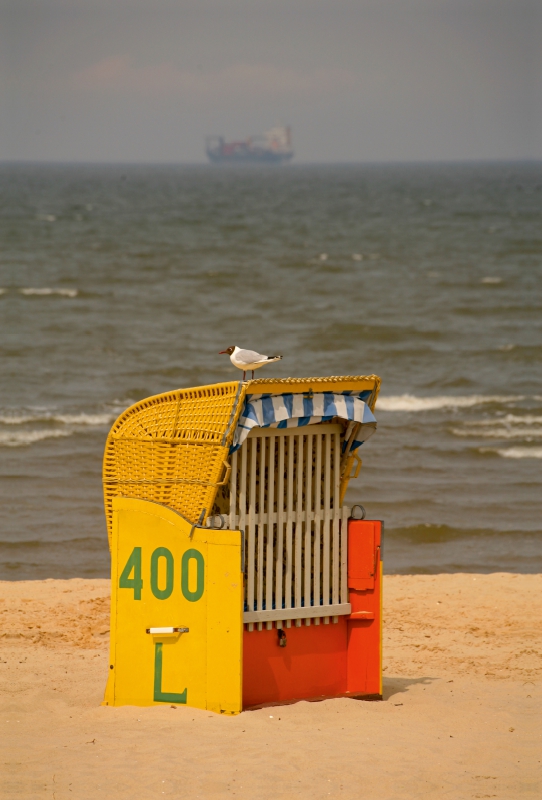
x: 297, y: 410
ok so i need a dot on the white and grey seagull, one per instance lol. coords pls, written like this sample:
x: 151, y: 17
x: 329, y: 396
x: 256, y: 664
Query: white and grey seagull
x: 248, y: 359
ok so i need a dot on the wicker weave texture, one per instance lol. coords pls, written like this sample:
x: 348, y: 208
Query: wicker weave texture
x: 172, y: 449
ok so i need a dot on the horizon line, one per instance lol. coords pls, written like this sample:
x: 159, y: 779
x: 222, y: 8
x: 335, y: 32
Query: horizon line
x: 273, y: 167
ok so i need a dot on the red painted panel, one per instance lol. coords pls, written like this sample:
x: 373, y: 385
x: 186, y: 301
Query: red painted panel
x: 312, y: 665
x: 364, y: 666
x: 361, y: 554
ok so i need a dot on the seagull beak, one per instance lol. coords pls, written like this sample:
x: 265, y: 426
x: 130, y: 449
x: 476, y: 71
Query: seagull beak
x: 222, y: 352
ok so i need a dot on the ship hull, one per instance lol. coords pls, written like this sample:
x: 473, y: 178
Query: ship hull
x: 249, y: 158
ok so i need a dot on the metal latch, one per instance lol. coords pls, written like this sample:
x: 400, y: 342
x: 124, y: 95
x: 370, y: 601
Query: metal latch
x: 167, y: 630
x: 198, y: 523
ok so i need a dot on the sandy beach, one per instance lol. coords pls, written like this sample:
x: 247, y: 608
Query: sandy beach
x: 460, y: 716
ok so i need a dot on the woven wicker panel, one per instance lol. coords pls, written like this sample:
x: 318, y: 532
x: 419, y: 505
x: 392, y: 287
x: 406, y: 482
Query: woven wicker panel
x: 172, y: 449
x: 155, y: 469
x: 200, y: 414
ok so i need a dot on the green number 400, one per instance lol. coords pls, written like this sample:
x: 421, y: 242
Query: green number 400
x: 131, y: 574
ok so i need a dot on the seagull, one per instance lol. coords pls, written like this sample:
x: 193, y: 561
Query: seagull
x: 248, y: 359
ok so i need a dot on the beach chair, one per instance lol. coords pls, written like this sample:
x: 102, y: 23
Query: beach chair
x: 239, y: 576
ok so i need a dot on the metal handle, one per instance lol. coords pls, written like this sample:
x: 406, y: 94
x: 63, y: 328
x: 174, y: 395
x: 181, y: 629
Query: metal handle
x: 167, y: 630
x: 357, y: 466
x: 222, y: 522
x: 357, y: 514
x: 226, y: 477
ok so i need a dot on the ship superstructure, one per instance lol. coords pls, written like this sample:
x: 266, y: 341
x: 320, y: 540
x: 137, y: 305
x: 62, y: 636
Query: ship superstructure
x: 272, y: 147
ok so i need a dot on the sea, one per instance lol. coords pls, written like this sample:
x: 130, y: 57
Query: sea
x: 122, y: 281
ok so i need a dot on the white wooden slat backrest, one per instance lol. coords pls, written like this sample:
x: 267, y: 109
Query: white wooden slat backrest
x: 279, y: 553
x: 262, y: 520
x: 251, y: 557
x: 308, y: 548
x: 318, y: 519
x: 271, y: 527
x: 285, y: 490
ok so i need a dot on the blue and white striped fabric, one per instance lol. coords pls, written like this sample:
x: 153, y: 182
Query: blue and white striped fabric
x: 298, y: 410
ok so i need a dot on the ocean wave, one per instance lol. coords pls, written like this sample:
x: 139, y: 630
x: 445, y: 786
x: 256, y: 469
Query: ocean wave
x: 527, y: 434
x: 25, y: 438
x: 424, y: 533
x: 21, y: 544
x: 508, y: 419
x: 511, y: 426
x: 26, y: 426
x: 48, y: 291
x: 66, y: 419
x: 514, y: 452
x: 408, y: 402
x: 84, y: 419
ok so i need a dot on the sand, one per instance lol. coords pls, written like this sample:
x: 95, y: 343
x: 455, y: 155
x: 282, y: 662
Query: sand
x: 460, y: 716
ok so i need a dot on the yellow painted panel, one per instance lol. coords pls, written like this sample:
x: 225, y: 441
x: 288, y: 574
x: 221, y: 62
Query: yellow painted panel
x: 224, y: 631
x: 164, y: 577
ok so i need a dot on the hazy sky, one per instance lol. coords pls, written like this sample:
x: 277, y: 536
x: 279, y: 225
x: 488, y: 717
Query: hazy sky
x: 359, y: 80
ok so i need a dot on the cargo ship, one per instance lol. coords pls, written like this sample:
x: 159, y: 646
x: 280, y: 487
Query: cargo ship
x: 272, y: 147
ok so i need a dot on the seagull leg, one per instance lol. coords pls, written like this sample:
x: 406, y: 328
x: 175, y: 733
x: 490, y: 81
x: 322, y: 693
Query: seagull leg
x: 244, y: 373
x: 252, y: 374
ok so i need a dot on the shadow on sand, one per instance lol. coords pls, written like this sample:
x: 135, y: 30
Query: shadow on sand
x: 393, y: 686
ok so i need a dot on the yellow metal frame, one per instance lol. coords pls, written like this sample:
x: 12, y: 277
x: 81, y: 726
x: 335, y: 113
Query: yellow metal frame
x: 173, y: 448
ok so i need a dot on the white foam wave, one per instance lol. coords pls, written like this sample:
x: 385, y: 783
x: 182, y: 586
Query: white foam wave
x: 24, y: 438
x: 511, y: 426
x: 408, y: 402
x: 514, y: 452
x: 46, y: 290
x: 84, y: 419
x: 507, y: 419
x: 15, y: 420
x: 527, y: 434
x: 66, y: 419
x: 50, y: 425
